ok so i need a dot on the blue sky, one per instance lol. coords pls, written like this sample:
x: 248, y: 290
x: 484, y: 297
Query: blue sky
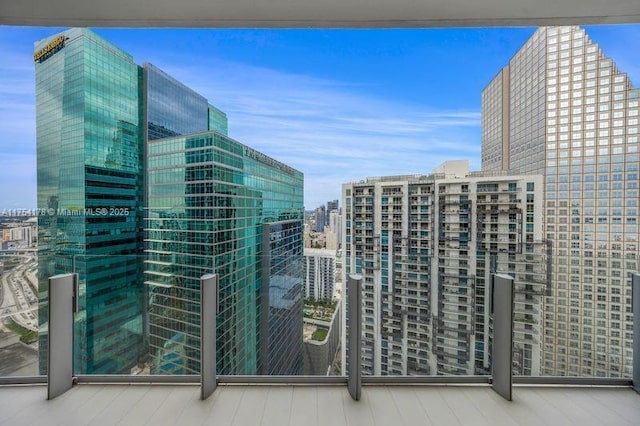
x: 338, y: 105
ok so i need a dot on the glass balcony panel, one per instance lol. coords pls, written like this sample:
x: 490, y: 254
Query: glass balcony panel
x: 19, y: 313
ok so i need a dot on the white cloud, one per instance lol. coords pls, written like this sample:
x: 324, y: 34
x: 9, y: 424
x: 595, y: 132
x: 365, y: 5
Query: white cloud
x: 331, y: 131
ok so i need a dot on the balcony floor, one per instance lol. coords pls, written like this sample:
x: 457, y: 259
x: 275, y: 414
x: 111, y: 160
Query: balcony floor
x: 250, y: 405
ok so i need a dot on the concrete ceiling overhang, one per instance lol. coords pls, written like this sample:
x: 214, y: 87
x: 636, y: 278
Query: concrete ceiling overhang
x: 316, y: 13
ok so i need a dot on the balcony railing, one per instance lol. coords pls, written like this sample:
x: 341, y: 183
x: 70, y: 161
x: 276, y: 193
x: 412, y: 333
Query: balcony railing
x: 167, y: 312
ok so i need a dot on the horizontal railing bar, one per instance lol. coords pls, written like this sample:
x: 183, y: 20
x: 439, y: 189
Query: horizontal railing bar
x: 23, y: 380
x: 424, y: 380
x: 150, y: 379
x: 306, y: 380
x: 564, y: 380
x: 324, y: 380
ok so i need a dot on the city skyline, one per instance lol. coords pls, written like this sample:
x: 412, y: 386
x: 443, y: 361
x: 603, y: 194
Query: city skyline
x: 331, y: 113
x: 558, y: 91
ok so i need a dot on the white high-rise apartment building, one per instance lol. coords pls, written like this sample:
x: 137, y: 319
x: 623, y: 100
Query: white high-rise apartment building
x: 426, y: 246
x: 333, y: 232
x: 18, y: 233
x: 319, y: 273
x: 562, y: 109
x: 335, y: 223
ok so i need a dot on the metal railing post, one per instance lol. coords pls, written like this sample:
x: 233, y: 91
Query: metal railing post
x: 635, y: 304
x: 63, y: 302
x: 354, y: 321
x: 208, y: 310
x: 502, y: 349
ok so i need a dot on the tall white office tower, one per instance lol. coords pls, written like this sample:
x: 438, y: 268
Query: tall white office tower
x: 562, y: 109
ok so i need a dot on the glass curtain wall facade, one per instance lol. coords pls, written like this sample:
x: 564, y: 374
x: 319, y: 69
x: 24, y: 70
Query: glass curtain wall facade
x: 171, y: 107
x: 569, y: 114
x: 218, y: 121
x: 89, y: 151
x: 96, y: 113
x: 208, y: 199
x: 282, y: 281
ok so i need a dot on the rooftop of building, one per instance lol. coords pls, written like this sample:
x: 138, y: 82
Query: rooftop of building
x: 18, y: 359
x: 431, y: 178
x: 319, y: 310
x: 248, y: 152
x: 319, y: 252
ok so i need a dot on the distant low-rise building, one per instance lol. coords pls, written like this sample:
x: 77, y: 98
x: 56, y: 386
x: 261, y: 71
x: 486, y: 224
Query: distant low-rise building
x: 18, y: 233
x: 331, y: 240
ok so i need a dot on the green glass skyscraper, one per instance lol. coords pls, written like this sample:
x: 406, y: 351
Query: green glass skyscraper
x: 115, y: 140
x: 216, y: 205
x: 90, y: 170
